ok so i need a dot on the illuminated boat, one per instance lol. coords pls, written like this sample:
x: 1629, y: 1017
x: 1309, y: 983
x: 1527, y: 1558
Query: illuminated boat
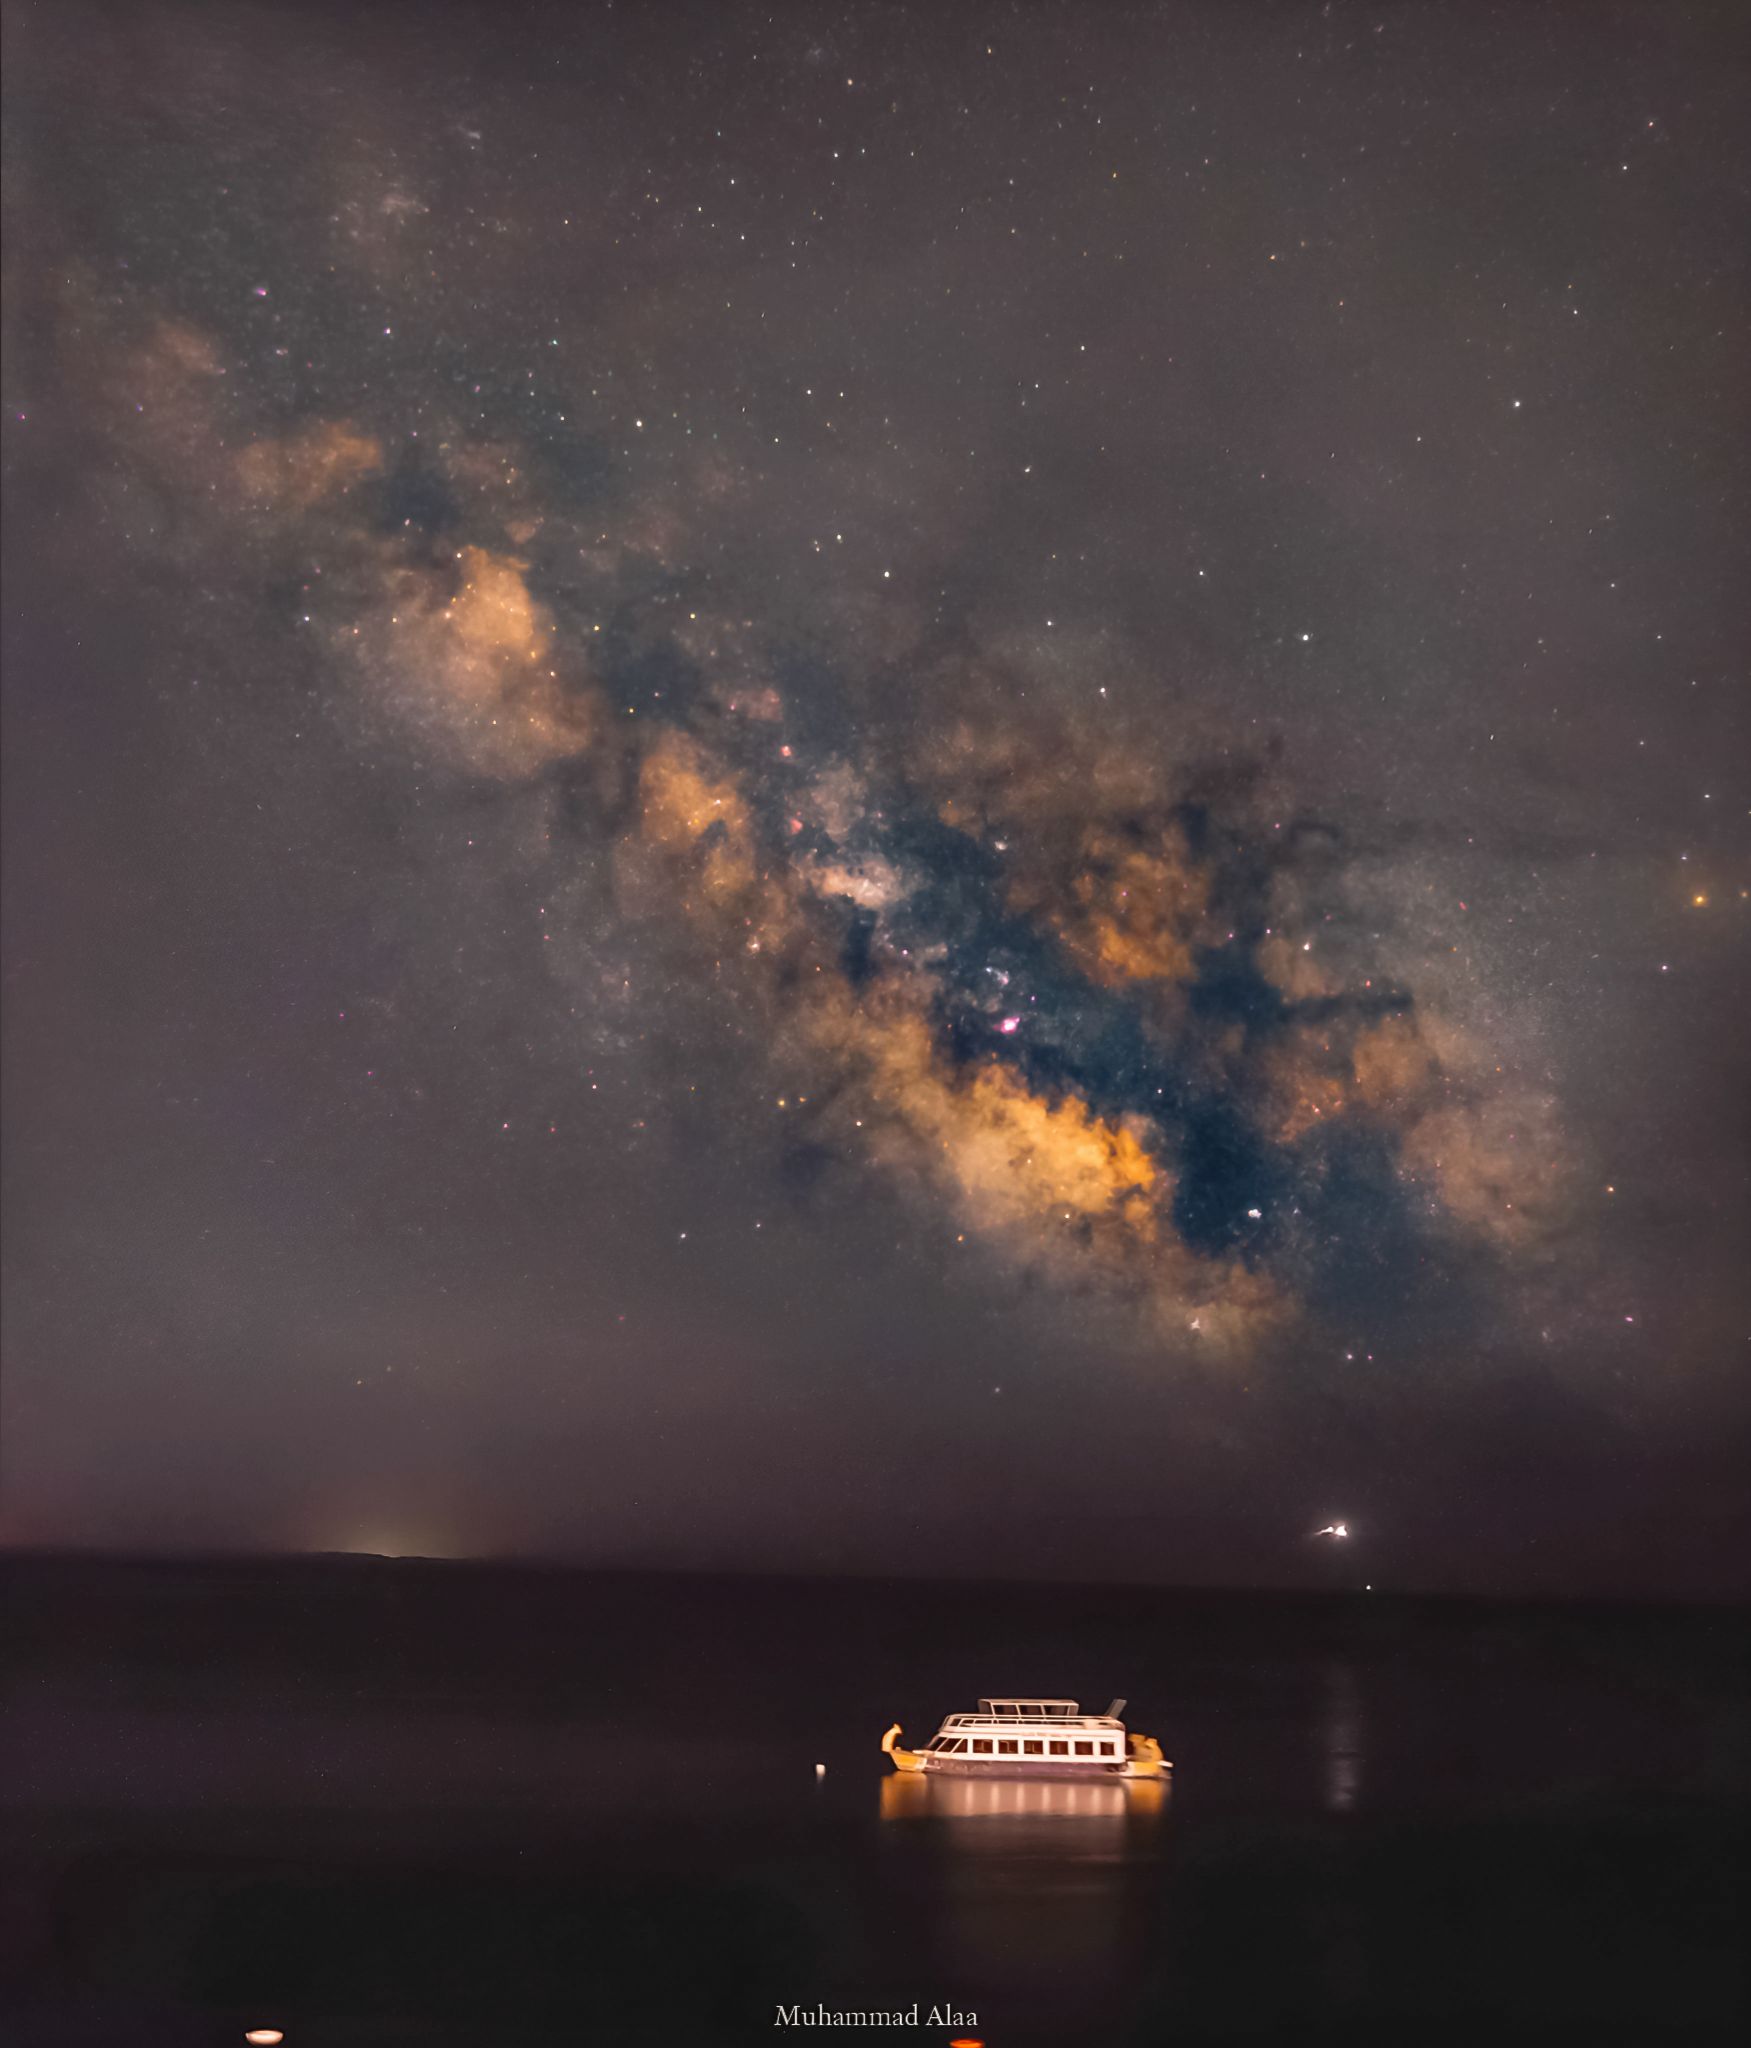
x: 1012, y: 1738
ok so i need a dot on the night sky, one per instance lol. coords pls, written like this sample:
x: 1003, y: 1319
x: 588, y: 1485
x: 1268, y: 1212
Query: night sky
x: 945, y: 789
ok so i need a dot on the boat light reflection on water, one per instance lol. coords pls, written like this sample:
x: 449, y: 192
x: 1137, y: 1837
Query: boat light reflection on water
x: 1027, y: 1879
x: 1109, y: 1805
x: 1342, y: 1738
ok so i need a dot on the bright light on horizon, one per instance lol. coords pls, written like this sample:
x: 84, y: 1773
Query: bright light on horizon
x: 389, y: 1543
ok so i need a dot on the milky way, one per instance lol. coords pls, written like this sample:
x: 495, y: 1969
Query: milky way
x: 1113, y: 1007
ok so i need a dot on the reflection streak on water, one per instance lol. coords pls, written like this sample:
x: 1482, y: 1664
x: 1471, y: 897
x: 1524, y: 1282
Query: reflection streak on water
x: 1341, y: 1733
x: 912, y: 1795
x: 1027, y: 1879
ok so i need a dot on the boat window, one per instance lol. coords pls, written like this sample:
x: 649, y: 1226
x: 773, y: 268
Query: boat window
x: 1006, y: 1749
x: 1085, y: 1749
x: 1033, y: 1749
x: 1058, y: 1748
x: 1109, y: 1749
x: 981, y: 1748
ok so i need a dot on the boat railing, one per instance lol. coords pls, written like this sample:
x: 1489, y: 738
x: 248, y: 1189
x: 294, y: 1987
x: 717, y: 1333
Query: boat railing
x: 1031, y: 1722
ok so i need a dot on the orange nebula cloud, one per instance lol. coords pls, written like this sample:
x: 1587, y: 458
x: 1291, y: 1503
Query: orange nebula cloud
x: 1318, y: 1073
x: 1013, y: 1158
x: 468, y: 658
x: 1062, y: 1190
x: 294, y: 473
x: 689, y: 804
x: 1496, y: 1166
x: 1131, y: 911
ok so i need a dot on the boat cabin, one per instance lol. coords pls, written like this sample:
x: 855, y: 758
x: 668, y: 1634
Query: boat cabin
x: 1038, y: 1730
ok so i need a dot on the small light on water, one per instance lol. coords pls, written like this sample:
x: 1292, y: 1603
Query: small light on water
x: 820, y: 1770
x: 264, y: 2037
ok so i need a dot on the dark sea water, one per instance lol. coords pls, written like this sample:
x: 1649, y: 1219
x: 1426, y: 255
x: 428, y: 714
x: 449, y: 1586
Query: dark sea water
x: 396, y: 1802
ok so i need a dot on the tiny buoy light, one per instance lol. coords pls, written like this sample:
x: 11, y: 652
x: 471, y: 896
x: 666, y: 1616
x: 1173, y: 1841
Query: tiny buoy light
x: 265, y: 2037
x: 820, y: 1770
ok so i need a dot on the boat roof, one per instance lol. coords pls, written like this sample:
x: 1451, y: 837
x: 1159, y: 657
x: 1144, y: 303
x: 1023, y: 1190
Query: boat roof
x: 1011, y: 1704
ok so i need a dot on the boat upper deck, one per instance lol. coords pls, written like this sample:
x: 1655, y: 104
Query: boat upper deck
x: 1009, y: 1714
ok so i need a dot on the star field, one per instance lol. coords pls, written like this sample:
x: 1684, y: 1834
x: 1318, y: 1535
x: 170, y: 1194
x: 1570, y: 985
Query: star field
x: 782, y: 782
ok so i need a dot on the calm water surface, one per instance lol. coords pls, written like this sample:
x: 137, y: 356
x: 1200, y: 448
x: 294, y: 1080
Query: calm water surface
x: 402, y: 1803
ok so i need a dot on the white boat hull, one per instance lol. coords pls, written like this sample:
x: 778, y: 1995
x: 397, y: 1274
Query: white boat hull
x: 1014, y: 1767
